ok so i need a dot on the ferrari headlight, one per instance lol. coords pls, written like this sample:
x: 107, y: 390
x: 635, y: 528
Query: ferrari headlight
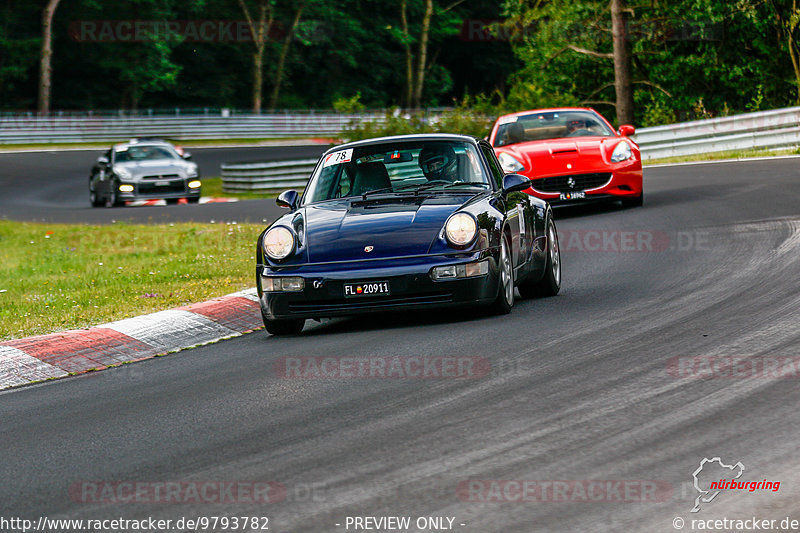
x: 461, y: 229
x: 622, y: 152
x: 509, y: 163
x: 279, y: 242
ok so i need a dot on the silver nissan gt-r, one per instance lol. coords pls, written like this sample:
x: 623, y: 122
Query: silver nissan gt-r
x: 143, y: 170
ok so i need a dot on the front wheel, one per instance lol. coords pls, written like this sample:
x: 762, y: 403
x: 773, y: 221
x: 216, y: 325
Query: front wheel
x: 94, y: 200
x: 505, y: 296
x: 111, y: 199
x: 283, y: 327
x: 550, y: 283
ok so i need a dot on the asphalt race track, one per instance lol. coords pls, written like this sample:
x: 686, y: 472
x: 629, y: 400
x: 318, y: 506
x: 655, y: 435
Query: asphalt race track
x: 53, y: 187
x: 621, y: 379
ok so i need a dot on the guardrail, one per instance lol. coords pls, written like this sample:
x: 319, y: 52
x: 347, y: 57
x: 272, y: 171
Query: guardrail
x: 779, y: 128
x: 70, y: 129
x: 282, y: 175
x: 766, y: 129
x: 769, y: 129
x: 266, y: 177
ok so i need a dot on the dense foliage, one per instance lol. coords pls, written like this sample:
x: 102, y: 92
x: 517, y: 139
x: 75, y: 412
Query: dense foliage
x: 690, y: 58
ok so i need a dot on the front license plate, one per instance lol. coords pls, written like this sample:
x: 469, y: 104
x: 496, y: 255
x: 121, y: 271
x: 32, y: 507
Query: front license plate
x: 370, y: 288
x: 162, y: 183
x: 580, y: 195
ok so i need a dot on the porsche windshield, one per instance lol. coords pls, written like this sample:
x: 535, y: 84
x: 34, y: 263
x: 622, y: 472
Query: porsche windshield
x: 550, y: 125
x: 397, y: 167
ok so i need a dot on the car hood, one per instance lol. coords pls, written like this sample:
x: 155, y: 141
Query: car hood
x: 156, y: 167
x: 553, y: 155
x: 342, y: 230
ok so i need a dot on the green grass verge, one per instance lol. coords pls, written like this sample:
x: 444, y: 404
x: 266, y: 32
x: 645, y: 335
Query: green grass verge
x: 716, y: 156
x: 56, y: 276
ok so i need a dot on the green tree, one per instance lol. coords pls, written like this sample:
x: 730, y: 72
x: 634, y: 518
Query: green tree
x: 20, y: 43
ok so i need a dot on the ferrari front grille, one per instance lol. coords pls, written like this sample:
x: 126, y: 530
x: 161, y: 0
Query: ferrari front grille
x: 575, y: 182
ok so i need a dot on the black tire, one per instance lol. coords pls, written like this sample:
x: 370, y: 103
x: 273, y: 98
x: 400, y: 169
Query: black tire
x: 94, y: 200
x: 283, y: 327
x: 505, y: 290
x: 111, y: 199
x: 172, y: 201
x: 194, y: 200
x: 637, y: 201
x: 550, y: 283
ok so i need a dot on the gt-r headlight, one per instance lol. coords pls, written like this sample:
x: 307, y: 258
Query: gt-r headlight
x: 622, y: 152
x: 461, y: 229
x: 509, y: 163
x: 279, y: 243
x: 123, y: 174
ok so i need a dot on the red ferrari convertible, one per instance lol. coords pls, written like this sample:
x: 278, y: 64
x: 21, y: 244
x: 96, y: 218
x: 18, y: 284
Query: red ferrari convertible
x: 572, y: 155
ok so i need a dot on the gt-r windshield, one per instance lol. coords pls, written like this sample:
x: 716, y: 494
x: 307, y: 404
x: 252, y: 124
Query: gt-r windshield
x: 397, y: 167
x: 550, y: 125
x: 143, y: 153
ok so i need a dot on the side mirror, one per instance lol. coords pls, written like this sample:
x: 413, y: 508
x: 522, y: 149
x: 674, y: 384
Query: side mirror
x: 186, y: 155
x: 102, y: 160
x: 288, y: 199
x: 515, y: 182
x: 626, y: 130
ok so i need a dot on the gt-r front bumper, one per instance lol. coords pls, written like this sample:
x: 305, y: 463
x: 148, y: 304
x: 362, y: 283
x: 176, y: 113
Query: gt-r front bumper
x: 166, y: 189
x: 410, y: 282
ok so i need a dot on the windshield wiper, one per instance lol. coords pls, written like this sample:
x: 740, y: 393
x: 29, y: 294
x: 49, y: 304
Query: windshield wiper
x: 417, y: 187
x: 375, y: 191
x: 467, y: 184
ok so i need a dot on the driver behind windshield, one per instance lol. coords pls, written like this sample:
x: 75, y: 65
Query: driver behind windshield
x: 439, y: 163
x: 575, y: 125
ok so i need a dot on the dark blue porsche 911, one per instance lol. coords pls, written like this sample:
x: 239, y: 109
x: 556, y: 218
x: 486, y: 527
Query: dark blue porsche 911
x: 405, y: 222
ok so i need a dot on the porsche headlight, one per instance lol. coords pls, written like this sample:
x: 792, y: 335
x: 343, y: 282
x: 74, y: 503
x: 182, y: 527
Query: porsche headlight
x: 509, y: 163
x: 622, y: 152
x: 461, y: 229
x: 279, y: 243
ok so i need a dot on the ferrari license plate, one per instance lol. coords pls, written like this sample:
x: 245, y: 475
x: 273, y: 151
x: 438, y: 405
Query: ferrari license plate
x: 370, y: 288
x: 580, y: 195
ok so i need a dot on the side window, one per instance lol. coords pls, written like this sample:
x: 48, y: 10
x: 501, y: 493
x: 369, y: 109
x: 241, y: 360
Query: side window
x: 494, y: 165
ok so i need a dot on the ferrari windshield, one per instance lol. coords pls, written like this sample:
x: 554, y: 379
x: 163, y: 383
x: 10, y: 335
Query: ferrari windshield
x: 397, y: 167
x: 550, y: 125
